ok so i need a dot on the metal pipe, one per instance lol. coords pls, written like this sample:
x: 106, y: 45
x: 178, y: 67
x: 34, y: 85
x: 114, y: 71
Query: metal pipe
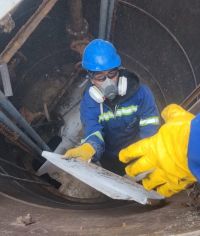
x: 110, y: 16
x: 6, y: 80
x: 195, y: 108
x: 8, y: 123
x: 76, y: 16
x: 103, y: 18
x: 12, y: 111
x: 191, y: 97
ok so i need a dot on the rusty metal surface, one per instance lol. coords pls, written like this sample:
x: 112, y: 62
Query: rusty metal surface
x: 154, y: 45
x: 13, y: 138
x: 76, y: 17
x: 79, y: 45
x: 26, y: 30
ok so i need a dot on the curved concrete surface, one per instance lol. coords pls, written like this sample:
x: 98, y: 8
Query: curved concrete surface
x: 173, y: 219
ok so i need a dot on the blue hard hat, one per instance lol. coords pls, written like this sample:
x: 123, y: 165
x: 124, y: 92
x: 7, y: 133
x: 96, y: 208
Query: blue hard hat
x: 100, y: 55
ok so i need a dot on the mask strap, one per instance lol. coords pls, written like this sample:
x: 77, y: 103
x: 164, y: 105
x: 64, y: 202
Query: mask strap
x: 101, y: 108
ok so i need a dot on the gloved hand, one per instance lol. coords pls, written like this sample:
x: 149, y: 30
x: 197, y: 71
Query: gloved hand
x: 85, y: 152
x: 165, y: 154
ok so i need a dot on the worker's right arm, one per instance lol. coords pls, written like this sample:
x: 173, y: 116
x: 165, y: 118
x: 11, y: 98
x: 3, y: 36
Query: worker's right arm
x: 93, y: 130
x: 172, y: 154
x: 93, y: 143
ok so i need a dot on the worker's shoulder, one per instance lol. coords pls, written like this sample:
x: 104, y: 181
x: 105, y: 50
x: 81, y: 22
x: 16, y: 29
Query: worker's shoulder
x: 134, y: 81
x: 141, y: 94
x: 135, y: 89
x: 145, y: 89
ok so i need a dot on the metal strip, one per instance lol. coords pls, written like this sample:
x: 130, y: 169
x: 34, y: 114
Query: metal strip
x: 110, y: 184
x: 26, y: 30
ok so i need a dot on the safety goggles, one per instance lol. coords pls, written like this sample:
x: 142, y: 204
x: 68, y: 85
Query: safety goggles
x: 100, y: 76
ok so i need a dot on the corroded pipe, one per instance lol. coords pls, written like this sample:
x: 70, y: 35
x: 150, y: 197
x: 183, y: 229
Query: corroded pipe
x: 76, y: 15
x: 12, y: 111
x: 8, y: 123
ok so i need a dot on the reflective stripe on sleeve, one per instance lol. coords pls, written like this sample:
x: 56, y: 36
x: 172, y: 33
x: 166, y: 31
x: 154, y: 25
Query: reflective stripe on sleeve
x: 97, y: 134
x: 151, y: 120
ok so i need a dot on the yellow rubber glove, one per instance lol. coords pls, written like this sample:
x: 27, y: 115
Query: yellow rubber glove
x: 165, y: 154
x: 85, y: 152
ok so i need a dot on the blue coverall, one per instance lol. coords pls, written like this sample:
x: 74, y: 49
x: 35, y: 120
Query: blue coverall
x: 123, y: 121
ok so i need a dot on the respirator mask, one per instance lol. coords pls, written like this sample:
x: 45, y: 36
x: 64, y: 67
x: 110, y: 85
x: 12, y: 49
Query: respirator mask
x: 109, y: 87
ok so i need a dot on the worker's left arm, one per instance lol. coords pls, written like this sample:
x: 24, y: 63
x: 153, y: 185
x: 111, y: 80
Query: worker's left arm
x: 148, y: 113
x: 171, y: 155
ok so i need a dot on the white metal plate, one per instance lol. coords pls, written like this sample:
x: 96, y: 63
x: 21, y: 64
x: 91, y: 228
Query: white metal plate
x: 110, y: 184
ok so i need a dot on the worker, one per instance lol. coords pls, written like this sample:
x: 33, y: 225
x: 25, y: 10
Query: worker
x: 116, y: 109
x: 172, y: 155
